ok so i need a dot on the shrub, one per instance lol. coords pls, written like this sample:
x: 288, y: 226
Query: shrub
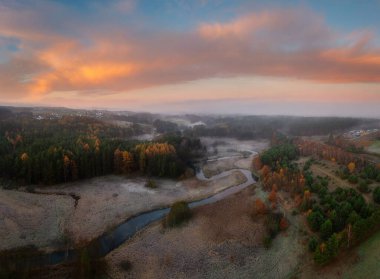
x: 30, y: 189
x: 260, y: 207
x: 272, y: 197
x: 87, y: 267
x: 363, y: 186
x: 272, y: 224
x: 179, y: 213
x: 327, y: 251
x: 267, y: 242
x: 353, y: 179
x: 283, y: 224
x: 151, y: 184
x: 313, y: 244
x: 125, y: 265
x: 315, y: 220
x: 326, y: 229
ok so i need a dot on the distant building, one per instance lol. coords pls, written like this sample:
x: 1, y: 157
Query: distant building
x: 199, y: 123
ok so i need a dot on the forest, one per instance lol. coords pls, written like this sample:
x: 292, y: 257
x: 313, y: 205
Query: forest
x: 70, y: 148
x: 338, y: 219
x: 254, y: 127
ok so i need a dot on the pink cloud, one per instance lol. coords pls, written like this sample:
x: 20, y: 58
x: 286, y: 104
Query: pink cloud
x: 293, y: 43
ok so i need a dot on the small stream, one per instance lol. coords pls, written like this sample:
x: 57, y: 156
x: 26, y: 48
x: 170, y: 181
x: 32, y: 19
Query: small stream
x: 109, y: 241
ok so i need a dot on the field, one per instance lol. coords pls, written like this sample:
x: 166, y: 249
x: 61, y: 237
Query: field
x: 367, y: 265
x: 216, y: 243
x: 374, y: 147
x: 45, y: 219
x: 225, y: 154
x: 28, y: 219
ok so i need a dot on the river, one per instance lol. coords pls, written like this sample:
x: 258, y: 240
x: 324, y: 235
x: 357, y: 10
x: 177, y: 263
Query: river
x: 112, y: 239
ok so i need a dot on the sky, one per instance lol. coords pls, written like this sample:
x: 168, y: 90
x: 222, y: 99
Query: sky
x: 195, y: 56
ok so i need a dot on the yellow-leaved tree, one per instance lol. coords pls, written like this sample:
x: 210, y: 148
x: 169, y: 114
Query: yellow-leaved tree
x: 351, y: 167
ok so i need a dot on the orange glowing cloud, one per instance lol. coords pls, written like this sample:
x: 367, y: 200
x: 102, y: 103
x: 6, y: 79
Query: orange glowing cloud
x: 289, y: 43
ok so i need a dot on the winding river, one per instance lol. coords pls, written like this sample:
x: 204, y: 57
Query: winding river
x: 109, y: 241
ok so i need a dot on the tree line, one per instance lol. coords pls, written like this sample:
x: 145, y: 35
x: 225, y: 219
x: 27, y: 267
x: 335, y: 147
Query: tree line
x: 72, y: 148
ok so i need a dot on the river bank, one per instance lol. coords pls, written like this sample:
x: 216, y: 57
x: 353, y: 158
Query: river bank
x: 46, y: 220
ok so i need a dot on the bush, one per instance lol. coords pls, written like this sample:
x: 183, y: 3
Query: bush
x: 327, y: 251
x: 283, y: 224
x: 267, y: 242
x: 315, y: 220
x: 179, y: 213
x: 260, y: 207
x: 353, y: 179
x: 87, y: 267
x: 313, y: 244
x: 272, y: 224
x: 363, y: 186
x: 30, y: 189
x: 125, y: 265
x: 151, y: 184
x: 326, y: 229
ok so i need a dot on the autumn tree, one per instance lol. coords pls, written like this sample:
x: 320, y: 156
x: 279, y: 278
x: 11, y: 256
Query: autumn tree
x: 283, y: 224
x: 351, y: 167
x: 260, y: 207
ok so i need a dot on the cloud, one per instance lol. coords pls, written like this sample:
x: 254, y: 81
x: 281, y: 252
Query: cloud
x: 93, y: 57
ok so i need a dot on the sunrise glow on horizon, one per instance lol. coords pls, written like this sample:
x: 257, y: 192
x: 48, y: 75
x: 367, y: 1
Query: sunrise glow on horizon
x: 201, y: 56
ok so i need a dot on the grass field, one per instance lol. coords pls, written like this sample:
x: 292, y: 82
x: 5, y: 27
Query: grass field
x: 375, y: 147
x: 369, y: 257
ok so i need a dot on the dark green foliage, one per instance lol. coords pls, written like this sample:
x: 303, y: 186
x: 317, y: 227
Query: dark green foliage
x: 326, y: 229
x: 313, y: 244
x: 272, y: 222
x: 329, y: 252
x: 70, y: 148
x: 353, y: 179
x: 308, y: 178
x: 324, y: 182
x: 267, y: 242
x: 337, y: 211
x: 151, y: 184
x: 315, y: 220
x: 363, y: 186
x: 179, y: 213
x: 249, y: 127
x: 307, y: 165
x: 272, y: 225
x: 378, y: 178
x: 344, y: 173
x: 355, y: 149
x: 86, y: 267
x: 370, y: 172
x: 376, y: 195
x: 279, y: 156
x: 307, y: 204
